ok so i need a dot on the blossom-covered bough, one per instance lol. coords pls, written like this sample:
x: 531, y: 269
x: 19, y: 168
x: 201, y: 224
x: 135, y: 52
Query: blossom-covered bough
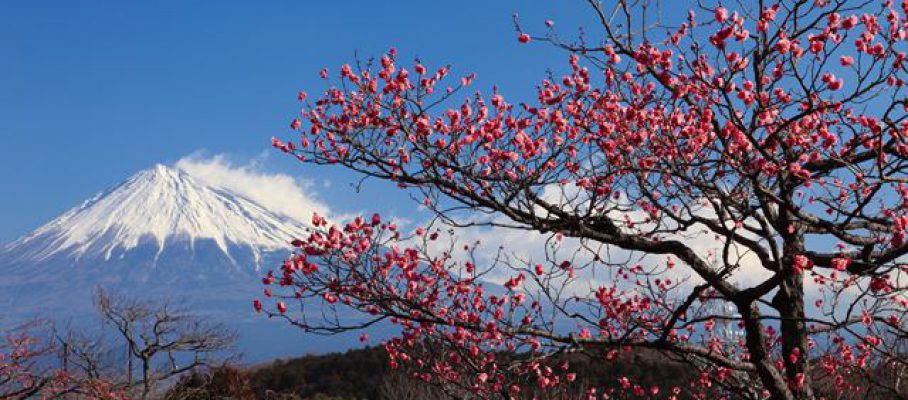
x: 30, y: 368
x: 22, y: 374
x: 751, y: 154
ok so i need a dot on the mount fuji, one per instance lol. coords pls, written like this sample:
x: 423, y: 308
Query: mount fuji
x: 161, y: 234
x: 154, y: 218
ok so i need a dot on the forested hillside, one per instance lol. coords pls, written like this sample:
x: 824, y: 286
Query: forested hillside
x: 365, y: 374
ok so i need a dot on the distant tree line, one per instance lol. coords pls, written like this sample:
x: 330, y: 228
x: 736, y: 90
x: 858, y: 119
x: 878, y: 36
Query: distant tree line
x: 364, y: 374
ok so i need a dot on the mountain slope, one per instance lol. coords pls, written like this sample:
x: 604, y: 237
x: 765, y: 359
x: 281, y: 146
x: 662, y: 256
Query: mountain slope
x: 156, y: 208
x: 159, y: 234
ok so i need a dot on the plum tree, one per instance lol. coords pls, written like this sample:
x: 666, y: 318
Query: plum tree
x: 749, y: 156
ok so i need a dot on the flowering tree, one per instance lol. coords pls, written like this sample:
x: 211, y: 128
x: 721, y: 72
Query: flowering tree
x: 163, y: 343
x: 773, y: 132
x: 22, y: 374
x: 32, y: 366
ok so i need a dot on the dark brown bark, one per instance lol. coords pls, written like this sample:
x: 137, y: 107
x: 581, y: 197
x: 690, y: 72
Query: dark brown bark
x: 789, y: 302
x: 760, y: 357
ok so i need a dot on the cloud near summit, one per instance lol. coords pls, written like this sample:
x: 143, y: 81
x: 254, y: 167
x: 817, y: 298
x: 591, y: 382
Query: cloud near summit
x: 281, y: 193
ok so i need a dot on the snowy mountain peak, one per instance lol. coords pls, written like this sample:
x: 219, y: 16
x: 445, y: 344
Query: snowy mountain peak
x: 161, y: 171
x: 158, y: 207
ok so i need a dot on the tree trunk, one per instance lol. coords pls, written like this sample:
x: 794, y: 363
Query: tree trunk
x: 789, y: 302
x: 769, y: 375
x: 128, y: 365
x: 146, y: 378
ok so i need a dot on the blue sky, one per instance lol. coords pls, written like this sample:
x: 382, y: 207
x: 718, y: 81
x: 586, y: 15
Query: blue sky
x: 93, y: 93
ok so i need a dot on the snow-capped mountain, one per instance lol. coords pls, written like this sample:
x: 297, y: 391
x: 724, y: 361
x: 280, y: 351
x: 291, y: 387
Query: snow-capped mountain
x: 159, y: 234
x: 159, y: 208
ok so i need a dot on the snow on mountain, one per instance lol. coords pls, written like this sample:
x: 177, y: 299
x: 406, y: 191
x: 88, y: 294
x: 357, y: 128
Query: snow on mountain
x: 158, y: 207
x: 164, y: 233
x: 159, y: 234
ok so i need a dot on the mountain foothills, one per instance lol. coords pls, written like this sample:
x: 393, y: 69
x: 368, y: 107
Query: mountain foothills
x: 365, y: 374
x: 160, y: 234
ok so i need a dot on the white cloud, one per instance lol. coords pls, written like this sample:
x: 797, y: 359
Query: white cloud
x: 532, y: 245
x: 280, y: 193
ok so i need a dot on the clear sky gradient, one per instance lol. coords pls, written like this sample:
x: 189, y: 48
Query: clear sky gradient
x: 93, y: 92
